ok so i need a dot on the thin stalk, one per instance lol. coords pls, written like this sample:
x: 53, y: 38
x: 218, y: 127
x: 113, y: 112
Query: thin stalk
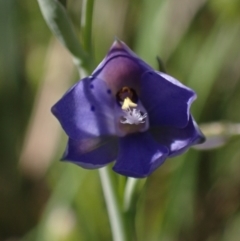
x: 113, y: 206
x: 131, y: 189
x: 86, y: 24
x: 131, y: 195
x: 121, y: 183
x: 129, y: 192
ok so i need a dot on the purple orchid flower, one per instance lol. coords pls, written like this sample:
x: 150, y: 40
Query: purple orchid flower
x: 127, y: 112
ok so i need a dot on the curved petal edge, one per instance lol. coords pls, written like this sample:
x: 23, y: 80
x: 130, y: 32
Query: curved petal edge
x: 178, y: 140
x: 98, y: 153
x: 166, y: 100
x: 139, y: 155
x: 86, y: 110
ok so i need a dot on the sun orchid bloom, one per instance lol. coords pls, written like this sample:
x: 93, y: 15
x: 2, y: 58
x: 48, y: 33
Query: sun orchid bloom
x: 128, y: 113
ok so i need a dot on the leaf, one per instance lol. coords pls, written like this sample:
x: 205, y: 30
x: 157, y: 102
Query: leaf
x: 58, y: 21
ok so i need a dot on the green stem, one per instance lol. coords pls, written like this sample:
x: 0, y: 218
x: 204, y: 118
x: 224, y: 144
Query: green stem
x: 130, y: 192
x: 121, y: 183
x: 86, y: 24
x: 113, y: 206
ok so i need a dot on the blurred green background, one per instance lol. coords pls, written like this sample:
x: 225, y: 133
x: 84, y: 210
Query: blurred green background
x: 192, y: 197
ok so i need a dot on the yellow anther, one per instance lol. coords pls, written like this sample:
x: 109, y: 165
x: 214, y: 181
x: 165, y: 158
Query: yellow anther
x: 127, y: 103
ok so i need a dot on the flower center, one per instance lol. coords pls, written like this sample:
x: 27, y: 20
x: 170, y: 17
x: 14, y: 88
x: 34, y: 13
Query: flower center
x: 131, y: 113
x: 125, y: 92
x: 127, y: 104
x: 133, y: 116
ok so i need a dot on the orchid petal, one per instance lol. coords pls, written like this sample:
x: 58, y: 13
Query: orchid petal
x: 179, y: 140
x: 86, y: 110
x: 121, y: 67
x: 91, y: 153
x: 167, y: 102
x: 139, y: 155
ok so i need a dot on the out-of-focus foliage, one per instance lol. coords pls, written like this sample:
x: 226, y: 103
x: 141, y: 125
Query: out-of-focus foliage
x: 193, y: 197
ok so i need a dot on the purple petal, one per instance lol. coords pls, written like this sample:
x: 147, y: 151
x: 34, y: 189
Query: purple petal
x: 121, y: 67
x: 119, y: 49
x: 166, y: 99
x: 179, y: 140
x: 86, y: 110
x: 139, y: 155
x: 92, y: 153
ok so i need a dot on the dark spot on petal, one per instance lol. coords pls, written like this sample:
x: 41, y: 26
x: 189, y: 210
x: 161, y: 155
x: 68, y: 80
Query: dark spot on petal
x: 91, y: 77
x: 109, y: 91
x: 91, y: 86
x: 92, y: 108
